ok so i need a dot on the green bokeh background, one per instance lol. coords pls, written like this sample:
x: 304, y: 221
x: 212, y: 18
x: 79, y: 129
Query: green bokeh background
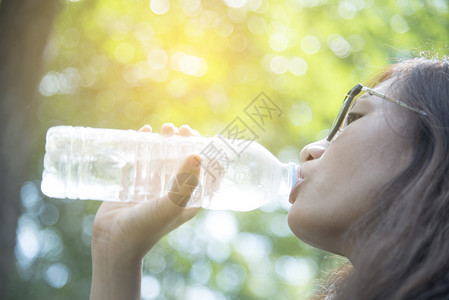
x: 125, y: 63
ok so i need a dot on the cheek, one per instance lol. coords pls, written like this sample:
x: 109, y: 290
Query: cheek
x: 341, y: 185
x: 320, y: 217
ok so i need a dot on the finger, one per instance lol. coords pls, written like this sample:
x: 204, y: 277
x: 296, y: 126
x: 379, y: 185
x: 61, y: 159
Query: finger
x: 146, y: 128
x: 159, y: 216
x: 170, y: 211
x: 185, y: 182
x: 186, y: 130
x: 169, y: 129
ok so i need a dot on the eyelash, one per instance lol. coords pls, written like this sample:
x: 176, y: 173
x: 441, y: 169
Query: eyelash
x: 351, y: 117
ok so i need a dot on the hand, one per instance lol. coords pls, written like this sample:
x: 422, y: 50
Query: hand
x: 124, y: 232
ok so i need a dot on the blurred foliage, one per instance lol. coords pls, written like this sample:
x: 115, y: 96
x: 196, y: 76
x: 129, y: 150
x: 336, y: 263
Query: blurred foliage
x: 125, y: 63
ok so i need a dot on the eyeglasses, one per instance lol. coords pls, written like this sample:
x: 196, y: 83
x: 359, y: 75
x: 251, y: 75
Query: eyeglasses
x: 349, y: 100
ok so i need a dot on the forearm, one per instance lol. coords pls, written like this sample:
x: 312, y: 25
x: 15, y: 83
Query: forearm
x: 115, y: 279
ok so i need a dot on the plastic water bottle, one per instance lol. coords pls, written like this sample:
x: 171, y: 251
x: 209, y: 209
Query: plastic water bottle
x: 126, y: 165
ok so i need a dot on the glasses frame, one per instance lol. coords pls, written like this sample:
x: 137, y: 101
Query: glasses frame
x: 348, y: 101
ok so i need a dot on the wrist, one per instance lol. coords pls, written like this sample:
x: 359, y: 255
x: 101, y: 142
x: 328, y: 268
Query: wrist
x: 115, y: 276
x: 111, y: 248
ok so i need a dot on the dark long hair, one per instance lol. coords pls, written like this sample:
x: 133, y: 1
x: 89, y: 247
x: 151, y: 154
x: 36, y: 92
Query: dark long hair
x: 400, y: 248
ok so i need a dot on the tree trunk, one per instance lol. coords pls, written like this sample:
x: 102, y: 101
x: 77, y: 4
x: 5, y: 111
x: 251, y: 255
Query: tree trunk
x: 24, y: 28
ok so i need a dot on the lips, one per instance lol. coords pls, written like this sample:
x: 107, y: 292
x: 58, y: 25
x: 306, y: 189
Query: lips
x: 295, y: 189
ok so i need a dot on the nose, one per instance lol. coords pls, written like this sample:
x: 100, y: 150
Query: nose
x: 313, y: 151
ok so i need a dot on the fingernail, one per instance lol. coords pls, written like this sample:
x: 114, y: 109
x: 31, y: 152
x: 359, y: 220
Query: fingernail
x: 146, y: 128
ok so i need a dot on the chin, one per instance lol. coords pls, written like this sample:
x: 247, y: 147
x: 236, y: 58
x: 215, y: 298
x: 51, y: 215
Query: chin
x: 312, y: 233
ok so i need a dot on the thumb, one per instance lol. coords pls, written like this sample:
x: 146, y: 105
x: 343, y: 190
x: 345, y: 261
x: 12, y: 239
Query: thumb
x: 184, y: 183
x: 159, y: 217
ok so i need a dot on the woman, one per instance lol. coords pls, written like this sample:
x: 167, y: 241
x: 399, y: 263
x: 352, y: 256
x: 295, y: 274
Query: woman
x: 376, y: 191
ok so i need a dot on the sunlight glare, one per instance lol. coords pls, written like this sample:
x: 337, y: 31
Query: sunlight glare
x: 310, y: 44
x: 236, y: 3
x: 157, y: 59
x: 278, y: 42
x: 159, y: 7
x: 298, y: 66
x: 279, y: 64
x: 150, y: 287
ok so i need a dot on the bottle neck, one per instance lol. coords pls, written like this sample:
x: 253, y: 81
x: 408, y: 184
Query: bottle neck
x: 290, y: 174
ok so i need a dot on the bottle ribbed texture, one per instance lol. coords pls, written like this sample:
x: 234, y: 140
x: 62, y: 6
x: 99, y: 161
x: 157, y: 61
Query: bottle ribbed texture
x: 125, y: 165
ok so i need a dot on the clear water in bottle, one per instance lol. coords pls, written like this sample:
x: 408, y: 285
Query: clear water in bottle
x: 126, y: 165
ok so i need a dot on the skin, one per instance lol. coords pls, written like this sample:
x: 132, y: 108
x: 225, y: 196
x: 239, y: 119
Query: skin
x: 124, y: 232
x: 342, y: 176
x: 340, y: 179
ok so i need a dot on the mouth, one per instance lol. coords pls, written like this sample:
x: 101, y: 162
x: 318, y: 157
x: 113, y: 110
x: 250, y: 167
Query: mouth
x: 296, y: 187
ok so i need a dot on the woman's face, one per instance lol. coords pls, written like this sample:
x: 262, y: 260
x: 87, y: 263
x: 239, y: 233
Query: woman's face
x: 342, y: 176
